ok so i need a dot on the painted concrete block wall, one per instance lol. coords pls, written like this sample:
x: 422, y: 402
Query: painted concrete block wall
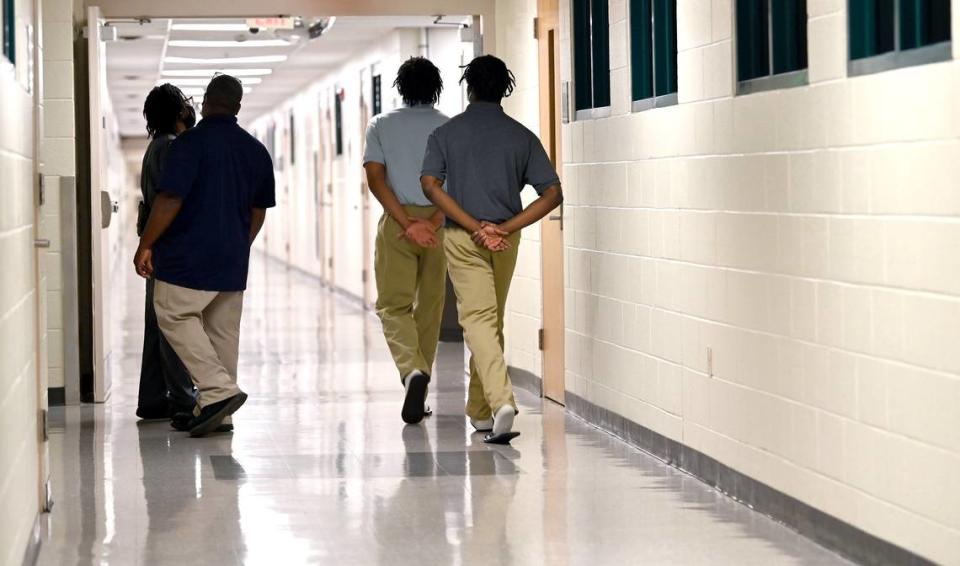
x: 18, y: 306
x: 58, y: 159
x: 772, y: 279
x: 517, y: 46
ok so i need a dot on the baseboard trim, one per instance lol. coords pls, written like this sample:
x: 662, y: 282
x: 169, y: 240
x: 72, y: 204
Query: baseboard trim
x: 32, y: 552
x: 526, y: 380
x: 826, y: 530
x: 56, y: 396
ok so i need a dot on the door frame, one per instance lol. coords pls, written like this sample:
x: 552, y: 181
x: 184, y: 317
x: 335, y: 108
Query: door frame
x: 551, y: 229
x: 100, y: 209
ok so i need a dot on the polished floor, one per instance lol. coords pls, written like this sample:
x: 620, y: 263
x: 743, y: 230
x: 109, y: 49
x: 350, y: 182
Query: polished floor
x: 321, y: 470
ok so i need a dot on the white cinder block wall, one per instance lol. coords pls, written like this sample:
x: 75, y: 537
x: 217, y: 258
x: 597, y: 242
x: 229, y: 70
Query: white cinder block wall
x: 518, y: 48
x: 18, y: 305
x: 58, y: 157
x: 808, y: 238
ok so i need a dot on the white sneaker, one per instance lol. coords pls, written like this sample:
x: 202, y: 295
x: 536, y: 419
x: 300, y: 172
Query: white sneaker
x: 503, y: 420
x: 484, y: 425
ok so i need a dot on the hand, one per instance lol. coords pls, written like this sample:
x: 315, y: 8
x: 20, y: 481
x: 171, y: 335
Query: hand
x: 143, y: 262
x: 421, y: 232
x: 492, y: 237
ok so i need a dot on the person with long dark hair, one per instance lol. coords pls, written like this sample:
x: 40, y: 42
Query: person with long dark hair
x: 486, y: 159
x: 410, y: 268
x: 165, y: 385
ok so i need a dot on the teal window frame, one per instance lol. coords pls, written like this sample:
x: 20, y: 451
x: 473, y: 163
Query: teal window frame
x: 772, y: 45
x: 338, y: 121
x: 653, y: 53
x: 9, y: 34
x: 889, y: 34
x: 591, y: 58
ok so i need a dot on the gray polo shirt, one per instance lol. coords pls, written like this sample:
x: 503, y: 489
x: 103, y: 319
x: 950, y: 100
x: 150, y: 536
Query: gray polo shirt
x: 486, y: 158
x: 397, y: 140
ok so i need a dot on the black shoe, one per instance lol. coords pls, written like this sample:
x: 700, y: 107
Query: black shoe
x: 153, y: 414
x: 224, y: 428
x: 416, y: 397
x: 181, y: 421
x: 212, y: 416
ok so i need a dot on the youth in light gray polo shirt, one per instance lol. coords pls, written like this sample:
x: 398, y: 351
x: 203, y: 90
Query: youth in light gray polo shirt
x: 397, y: 140
x: 486, y: 158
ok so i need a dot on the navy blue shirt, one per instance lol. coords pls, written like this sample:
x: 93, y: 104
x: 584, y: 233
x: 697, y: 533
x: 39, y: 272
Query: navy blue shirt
x: 221, y: 172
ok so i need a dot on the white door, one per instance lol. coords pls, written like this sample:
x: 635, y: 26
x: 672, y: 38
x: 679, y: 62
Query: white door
x: 101, y: 207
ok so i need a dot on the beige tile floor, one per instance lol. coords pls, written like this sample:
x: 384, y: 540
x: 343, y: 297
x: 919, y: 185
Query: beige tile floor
x: 321, y: 469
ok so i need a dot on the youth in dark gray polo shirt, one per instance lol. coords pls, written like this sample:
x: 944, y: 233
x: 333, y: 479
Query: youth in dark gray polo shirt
x: 486, y: 158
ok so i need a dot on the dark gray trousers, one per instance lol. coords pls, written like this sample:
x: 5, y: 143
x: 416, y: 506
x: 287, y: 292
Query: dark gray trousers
x: 165, y: 384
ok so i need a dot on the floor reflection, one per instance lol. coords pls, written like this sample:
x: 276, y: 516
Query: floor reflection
x: 320, y: 469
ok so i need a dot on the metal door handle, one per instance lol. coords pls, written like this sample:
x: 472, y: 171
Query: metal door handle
x: 41, y: 243
x: 557, y: 217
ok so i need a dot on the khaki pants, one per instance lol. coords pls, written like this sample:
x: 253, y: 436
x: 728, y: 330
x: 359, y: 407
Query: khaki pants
x: 411, y: 282
x: 481, y: 279
x: 203, y: 327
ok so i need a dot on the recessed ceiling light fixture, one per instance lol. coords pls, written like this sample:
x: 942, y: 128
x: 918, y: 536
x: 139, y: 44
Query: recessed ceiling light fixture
x: 228, y: 43
x: 204, y: 81
x: 211, y: 72
x: 210, y: 27
x: 227, y: 60
x: 196, y: 91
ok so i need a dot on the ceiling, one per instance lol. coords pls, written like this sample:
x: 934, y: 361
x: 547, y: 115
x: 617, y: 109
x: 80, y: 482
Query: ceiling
x: 146, y: 53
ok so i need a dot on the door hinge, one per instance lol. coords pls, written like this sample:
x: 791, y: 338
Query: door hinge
x: 540, y: 339
x: 330, y: 262
x: 41, y: 189
x: 536, y: 28
x: 44, y: 427
x: 364, y: 276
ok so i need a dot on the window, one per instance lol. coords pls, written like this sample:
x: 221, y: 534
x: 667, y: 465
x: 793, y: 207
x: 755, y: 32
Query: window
x: 338, y: 121
x: 887, y: 34
x: 653, y: 52
x: 591, y: 57
x: 9, y: 23
x: 771, y: 44
x: 377, y: 96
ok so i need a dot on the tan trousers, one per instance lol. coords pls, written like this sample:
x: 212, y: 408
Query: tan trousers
x: 203, y: 327
x: 481, y: 279
x: 411, y: 283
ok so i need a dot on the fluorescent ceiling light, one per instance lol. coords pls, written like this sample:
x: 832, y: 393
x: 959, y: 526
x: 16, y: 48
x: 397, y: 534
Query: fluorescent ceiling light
x: 226, y: 60
x: 203, y: 81
x: 229, y: 43
x: 195, y: 91
x: 210, y: 27
x: 211, y: 72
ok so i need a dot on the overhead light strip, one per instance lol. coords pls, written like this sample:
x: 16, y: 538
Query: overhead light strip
x: 200, y: 43
x: 226, y: 60
x: 210, y: 27
x: 205, y: 81
x: 211, y: 72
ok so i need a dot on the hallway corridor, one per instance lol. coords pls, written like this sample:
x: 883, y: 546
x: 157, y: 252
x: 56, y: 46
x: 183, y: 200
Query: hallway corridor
x: 321, y: 470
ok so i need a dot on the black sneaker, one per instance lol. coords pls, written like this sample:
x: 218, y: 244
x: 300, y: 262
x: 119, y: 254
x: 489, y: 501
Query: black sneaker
x: 416, y: 397
x: 156, y: 414
x: 181, y: 421
x: 212, y: 416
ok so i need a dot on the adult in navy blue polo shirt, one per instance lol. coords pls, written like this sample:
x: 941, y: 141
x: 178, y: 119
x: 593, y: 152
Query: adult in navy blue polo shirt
x: 217, y: 184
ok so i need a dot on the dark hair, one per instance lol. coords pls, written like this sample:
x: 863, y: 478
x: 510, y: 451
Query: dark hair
x: 224, y: 92
x: 488, y: 78
x: 163, y: 107
x: 418, y: 81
